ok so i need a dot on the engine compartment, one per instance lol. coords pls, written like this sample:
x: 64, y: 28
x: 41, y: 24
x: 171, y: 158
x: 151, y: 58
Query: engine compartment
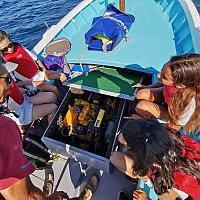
x: 88, y: 121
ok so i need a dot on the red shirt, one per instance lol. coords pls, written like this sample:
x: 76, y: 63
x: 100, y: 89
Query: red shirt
x: 183, y: 181
x: 14, y: 166
x: 15, y: 93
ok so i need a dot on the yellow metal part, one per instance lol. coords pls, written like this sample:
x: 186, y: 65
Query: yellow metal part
x: 86, y: 114
x: 99, y: 118
x: 71, y: 119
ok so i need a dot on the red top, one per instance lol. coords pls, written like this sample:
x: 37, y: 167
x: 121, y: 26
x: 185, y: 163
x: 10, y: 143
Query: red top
x: 14, y: 166
x: 26, y: 65
x: 15, y: 93
x: 183, y: 181
x: 168, y: 93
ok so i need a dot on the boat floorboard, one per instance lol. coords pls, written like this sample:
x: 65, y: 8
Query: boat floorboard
x: 68, y: 178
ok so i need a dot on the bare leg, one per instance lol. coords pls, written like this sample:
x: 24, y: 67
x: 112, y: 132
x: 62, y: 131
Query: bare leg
x: 43, y: 97
x: 51, y: 75
x: 152, y: 95
x: 45, y: 87
x: 43, y: 110
x: 121, y: 139
x: 148, y: 109
x: 123, y: 163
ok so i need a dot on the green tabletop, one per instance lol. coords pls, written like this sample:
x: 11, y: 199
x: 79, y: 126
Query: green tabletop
x: 110, y: 81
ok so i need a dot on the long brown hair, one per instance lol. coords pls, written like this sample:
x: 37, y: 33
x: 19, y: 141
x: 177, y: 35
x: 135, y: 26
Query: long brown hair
x: 186, y: 72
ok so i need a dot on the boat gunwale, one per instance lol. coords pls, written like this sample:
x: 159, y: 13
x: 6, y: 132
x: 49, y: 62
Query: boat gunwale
x: 55, y: 29
x: 193, y: 19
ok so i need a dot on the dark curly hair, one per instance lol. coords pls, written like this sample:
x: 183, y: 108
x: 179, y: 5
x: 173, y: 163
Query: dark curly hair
x: 156, y: 150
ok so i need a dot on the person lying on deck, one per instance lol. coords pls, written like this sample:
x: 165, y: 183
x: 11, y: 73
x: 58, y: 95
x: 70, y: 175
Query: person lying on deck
x: 15, y: 183
x: 27, y: 108
x: 174, y: 98
x: 30, y: 70
x: 171, y: 161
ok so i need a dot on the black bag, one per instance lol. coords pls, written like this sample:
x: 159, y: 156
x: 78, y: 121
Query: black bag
x: 36, y: 152
x: 34, y: 149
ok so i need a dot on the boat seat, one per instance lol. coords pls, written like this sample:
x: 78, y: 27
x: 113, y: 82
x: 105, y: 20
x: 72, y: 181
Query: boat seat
x: 58, y: 47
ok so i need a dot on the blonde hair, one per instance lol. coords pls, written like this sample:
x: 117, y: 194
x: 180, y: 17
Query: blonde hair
x: 3, y: 35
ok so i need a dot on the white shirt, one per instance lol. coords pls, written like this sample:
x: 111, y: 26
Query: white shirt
x: 189, y: 110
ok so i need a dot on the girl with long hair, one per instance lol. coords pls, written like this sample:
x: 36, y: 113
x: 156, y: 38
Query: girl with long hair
x: 153, y: 152
x: 175, y: 98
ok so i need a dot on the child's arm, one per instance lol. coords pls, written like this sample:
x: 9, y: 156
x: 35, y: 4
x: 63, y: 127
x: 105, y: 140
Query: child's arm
x: 21, y: 83
x: 40, y: 64
x: 24, y: 83
x: 154, y: 85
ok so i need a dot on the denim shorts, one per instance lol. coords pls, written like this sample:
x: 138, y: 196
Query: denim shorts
x: 25, y: 111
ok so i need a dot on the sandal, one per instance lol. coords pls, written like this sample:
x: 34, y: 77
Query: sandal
x: 92, y: 183
x: 122, y: 196
x: 49, y: 181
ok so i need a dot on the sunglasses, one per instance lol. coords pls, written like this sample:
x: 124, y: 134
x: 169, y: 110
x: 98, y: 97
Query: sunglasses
x: 5, y: 49
x: 8, y: 79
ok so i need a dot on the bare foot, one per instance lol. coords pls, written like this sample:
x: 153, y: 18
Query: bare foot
x: 88, y: 194
x: 134, y: 116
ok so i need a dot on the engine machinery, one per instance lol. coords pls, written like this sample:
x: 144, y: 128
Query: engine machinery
x: 89, y: 123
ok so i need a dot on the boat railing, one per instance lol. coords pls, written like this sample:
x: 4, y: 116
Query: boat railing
x: 193, y: 18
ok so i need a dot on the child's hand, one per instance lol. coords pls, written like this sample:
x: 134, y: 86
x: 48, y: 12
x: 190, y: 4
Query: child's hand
x: 63, y: 77
x: 140, y: 195
x: 48, y: 74
x: 138, y: 85
x: 134, y: 116
x: 37, y: 83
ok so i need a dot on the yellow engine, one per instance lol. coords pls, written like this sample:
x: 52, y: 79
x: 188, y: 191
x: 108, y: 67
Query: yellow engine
x: 81, y: 113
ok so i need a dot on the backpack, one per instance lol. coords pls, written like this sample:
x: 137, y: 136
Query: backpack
x: 108, y: 30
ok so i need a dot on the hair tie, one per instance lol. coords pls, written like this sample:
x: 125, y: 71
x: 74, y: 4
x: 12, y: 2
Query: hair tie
x: 147, y: 137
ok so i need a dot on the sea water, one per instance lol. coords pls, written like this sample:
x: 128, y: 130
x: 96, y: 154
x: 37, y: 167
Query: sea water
x: 24, y: 20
